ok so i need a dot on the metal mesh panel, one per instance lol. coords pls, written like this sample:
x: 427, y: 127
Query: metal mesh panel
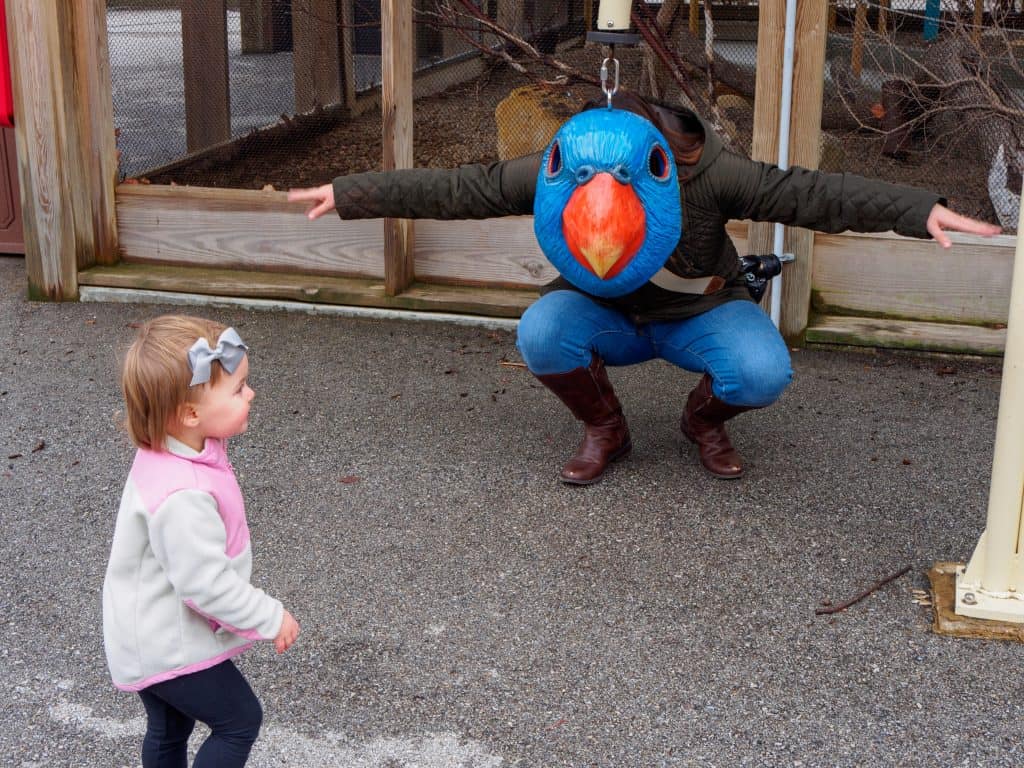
x: 925, y: 94
x: 915, y: 94
x: 303, y: 81
x: 292, y: 123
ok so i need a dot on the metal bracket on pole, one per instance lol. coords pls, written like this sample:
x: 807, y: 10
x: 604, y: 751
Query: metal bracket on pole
x: 613, y: 24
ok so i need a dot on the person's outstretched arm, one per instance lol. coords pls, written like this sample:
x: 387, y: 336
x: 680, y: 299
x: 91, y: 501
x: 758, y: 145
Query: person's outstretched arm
x: 480, y: 191
x: 836, y: 202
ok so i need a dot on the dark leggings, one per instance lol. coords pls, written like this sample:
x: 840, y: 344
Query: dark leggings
x: 219, y: 697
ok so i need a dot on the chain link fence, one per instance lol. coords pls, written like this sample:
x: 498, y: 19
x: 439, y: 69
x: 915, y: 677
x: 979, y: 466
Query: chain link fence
x: 930, y: 94
x: 250, y: 93
x: 285, y: 93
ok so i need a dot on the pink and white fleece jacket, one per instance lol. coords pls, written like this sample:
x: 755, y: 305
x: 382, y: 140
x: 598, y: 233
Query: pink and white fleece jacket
x: 177, y: 597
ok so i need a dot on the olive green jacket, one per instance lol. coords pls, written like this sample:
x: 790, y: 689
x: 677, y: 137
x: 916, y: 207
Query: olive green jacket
x: 721, y: 186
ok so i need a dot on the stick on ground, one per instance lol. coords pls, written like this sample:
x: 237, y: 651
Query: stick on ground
x: 858, y: 597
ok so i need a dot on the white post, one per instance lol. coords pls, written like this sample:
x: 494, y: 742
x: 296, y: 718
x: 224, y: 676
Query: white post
x: 788, y: 55
x: 992, y: 584
x: 613, y: 14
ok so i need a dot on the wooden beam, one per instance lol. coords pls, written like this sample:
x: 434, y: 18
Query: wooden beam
x: 805, y: 151
x: 804, y: 135
x: 242, y: 229
x: 316, y: 51
x: 65, y: 138
x: 256, y: 230
x: 860, y: 25
x: 764, y: 145
x: 204, y: 44
x: 346, y: 41
x: 257, y: 22
x: 883, y: 274
x: 907, y: 334
x: 491, y: 302
x: 266, y: 25
x: 430, y: 40
x: 396, y: 110
x: 500, y: 251
x: 96, y: 122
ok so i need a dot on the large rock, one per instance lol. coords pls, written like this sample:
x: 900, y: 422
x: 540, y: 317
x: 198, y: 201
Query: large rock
x: 529, y: 117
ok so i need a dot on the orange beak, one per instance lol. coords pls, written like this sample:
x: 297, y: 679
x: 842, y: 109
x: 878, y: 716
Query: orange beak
x: 603, y: 225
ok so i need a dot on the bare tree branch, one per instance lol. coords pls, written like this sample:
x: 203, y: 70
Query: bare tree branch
x: 463, y: 16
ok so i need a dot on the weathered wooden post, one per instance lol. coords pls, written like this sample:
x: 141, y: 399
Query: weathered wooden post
x: 322, y: 53
x: 804, y: 135
x: 860, y: 25
x: 67, y: 157
x: 396, y: 110
x: 266, y: 25
x: 204, y: 48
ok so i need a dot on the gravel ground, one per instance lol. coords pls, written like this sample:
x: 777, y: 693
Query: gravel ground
x: 461, y: 608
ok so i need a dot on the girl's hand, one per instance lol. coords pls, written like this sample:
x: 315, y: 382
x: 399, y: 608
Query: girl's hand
x: 287, y: 634
x: 941, y: 219
x: 321, y: 197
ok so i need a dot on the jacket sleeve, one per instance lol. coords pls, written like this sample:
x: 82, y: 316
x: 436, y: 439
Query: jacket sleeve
x: 478, y: 191
x: 825, y: 202
x: 188, y: 540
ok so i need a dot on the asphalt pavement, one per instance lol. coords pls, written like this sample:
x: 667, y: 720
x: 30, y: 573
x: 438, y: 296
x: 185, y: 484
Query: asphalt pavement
x: 461, y: 608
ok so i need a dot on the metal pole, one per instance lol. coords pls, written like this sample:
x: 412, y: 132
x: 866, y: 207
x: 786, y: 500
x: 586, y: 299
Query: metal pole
x: 785, y: 108
x: 991, y: 586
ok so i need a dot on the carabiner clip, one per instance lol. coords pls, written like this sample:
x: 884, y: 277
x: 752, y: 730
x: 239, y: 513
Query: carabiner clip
x: 609, y: 92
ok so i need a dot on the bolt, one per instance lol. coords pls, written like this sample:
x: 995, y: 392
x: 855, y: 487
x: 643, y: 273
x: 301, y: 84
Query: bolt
x: 969, y: 598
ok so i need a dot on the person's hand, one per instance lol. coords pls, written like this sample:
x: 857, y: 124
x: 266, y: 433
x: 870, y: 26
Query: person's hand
x: 287, y: 633
x: 321, y: 197
x: 941, y: 219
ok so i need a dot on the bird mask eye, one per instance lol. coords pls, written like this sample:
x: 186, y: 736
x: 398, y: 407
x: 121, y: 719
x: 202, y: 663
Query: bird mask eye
x: 554, y: 160
x: 657, y: 162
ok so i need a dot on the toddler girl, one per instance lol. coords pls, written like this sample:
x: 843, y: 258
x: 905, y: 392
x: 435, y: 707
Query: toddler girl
x: 177, y: 602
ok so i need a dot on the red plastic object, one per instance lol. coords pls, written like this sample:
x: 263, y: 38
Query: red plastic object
x: 6, y: 93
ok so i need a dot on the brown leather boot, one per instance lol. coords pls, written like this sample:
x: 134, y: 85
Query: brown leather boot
x: 703, y: 422
x: 589, y: 395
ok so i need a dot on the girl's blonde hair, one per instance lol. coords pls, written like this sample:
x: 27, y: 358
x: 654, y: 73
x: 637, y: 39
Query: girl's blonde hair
x: 156, y: 375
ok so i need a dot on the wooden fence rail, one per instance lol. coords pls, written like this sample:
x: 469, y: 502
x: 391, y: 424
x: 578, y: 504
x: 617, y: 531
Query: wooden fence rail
x: 851, y: 289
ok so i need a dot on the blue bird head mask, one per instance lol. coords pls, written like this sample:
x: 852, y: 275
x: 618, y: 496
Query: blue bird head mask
x: 606, y: 210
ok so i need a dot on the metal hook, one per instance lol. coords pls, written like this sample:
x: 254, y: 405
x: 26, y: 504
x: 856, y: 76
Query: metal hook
x: 609, y: 92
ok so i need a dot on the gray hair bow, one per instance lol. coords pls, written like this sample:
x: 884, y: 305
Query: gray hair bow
x: 229, y: 351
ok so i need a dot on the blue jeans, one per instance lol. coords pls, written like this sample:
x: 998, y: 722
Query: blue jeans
x: 218, y: 696
x: 735, y: 343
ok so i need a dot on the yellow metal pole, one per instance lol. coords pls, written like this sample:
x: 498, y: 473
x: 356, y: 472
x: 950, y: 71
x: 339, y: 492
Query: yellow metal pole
x: 991, y: 586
